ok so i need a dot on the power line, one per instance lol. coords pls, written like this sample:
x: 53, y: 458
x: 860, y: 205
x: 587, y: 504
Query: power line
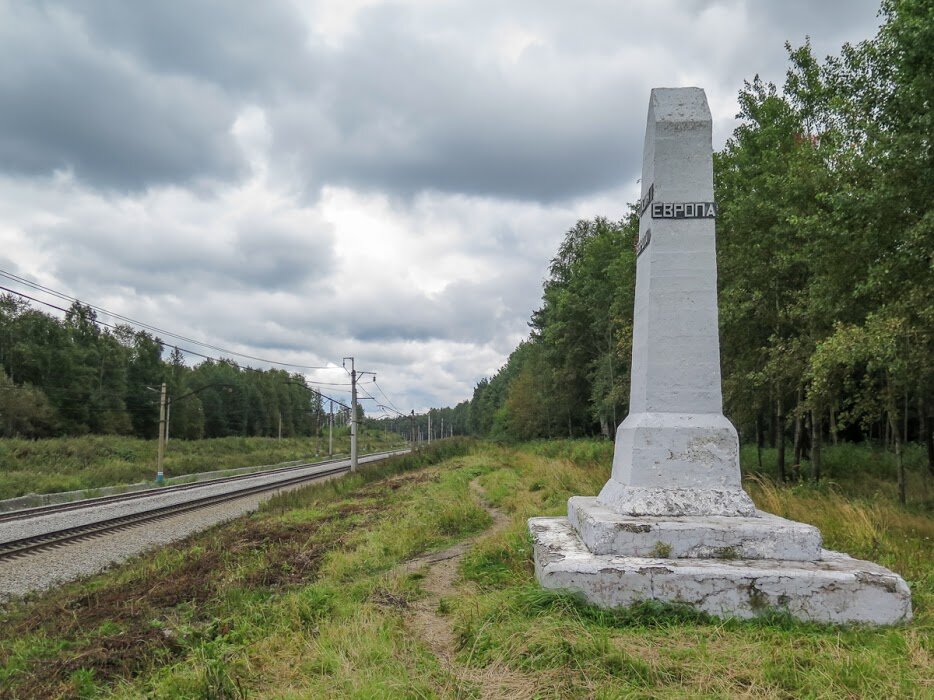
x: 185, y: 350
x: 318, y: 393
x: 147, y: 326
x: 189, y: 351
x: 388, y: 400
x: 378, y: 404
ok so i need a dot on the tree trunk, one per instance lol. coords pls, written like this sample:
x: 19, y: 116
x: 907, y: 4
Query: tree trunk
x: 833, y: 427
x: 780, y: 438
x: 815, y: 445
x: 798, y: 430
x: 892, y: 424
x: 773, y: 423
x: 927, y: 435
x: 899, y: 463
x: 905, y: 419
x: 759, y: 439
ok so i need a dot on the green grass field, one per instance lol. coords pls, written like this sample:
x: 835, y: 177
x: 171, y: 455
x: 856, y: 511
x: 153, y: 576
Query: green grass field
x: 93, y: 461
x: 316, y: 596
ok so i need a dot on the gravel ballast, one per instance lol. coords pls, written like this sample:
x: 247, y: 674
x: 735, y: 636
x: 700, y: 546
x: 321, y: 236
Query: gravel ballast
x: 47, y: 568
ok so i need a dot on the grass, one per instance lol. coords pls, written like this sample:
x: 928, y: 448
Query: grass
x: 75, y: 464
x: 307, y: 598
x: 855, y: 470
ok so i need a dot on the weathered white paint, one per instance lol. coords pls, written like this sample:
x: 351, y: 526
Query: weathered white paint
x: 767, y: 536
x: 835, y: 588
x: 673, y: 522
x: 676, y: 436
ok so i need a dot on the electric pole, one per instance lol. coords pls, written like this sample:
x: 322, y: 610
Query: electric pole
x: 413, y: 430
x: 429, y: 426
x: 354, y: 423
x: 317, y: 429
x: 160, y: 477
x: 353, y: 414
x: 331, y: 432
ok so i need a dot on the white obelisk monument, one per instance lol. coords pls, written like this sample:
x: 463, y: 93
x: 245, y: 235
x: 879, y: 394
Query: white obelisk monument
x: 673, y: 522
x: 676, y: 453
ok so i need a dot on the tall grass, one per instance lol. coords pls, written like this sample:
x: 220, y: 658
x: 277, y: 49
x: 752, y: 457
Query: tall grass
x: 854, y: 469
x: 309, y: 598
x: 92, y: 461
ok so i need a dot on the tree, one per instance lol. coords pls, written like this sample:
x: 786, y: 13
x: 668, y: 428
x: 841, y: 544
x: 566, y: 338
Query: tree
x: 24, y: 410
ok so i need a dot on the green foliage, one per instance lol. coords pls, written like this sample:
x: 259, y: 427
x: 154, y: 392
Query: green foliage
x: 23, y: 409
x: 71, y: 377
x: 569, y: 378
x: 825, y: 268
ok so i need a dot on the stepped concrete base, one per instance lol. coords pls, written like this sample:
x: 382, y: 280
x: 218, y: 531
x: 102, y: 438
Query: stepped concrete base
x: 836, y: 588
x: 766, y: 536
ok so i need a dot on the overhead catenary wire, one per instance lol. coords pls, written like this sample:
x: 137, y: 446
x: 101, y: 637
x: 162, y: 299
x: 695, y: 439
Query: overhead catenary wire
x: 388, y: 400
x: 189, y: 351
x: 212, y: 358
x: 146, y: 326
x: 379, y: 405
x: 308, y: 388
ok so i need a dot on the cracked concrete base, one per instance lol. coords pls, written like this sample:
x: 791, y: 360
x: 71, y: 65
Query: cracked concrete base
x: 835, y: 588
x: 676, y: 464
x: 766, y: 536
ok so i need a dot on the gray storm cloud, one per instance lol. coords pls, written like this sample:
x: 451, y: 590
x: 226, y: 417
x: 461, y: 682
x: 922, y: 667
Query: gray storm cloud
x: 458, y: 139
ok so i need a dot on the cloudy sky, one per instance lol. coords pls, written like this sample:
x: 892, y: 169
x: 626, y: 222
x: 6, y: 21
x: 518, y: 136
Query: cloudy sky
x: 380, y: 178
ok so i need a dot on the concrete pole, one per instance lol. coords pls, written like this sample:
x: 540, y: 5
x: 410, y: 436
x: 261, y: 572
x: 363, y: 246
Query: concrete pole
x: 160, y: 477
x: 331, y: 431
x: 168, y: 420
x: 353, y: 416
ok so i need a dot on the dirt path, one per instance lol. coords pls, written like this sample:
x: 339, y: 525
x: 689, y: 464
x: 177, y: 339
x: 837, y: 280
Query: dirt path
x: 436, y: 630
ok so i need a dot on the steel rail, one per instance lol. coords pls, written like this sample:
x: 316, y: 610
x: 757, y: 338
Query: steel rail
x: 25, y: 513
x: 13, y: 549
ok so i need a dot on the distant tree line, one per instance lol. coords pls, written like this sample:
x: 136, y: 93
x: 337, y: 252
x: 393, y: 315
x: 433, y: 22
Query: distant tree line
x: 70, y: 376
x: 826, y: 268
x: 445, y: 422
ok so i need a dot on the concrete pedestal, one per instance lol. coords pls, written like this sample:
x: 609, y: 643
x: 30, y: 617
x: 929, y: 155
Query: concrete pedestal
x: 833, y: 588
x: 766, y: 536
x: 676, y: 464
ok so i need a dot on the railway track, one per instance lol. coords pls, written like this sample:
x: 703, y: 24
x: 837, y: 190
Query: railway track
x: 20, y: 547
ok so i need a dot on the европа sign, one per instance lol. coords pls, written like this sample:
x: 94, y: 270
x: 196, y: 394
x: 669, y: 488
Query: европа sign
x: 684, y: 210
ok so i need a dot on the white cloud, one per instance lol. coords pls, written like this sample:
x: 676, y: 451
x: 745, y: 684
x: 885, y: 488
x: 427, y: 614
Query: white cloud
x: 382, y: 178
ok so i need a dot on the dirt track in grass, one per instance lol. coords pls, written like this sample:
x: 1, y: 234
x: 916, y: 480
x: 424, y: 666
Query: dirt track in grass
x: 436, y: 630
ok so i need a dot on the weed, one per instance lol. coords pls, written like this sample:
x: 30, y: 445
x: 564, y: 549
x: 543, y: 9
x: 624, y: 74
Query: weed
x: 93, y: 461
